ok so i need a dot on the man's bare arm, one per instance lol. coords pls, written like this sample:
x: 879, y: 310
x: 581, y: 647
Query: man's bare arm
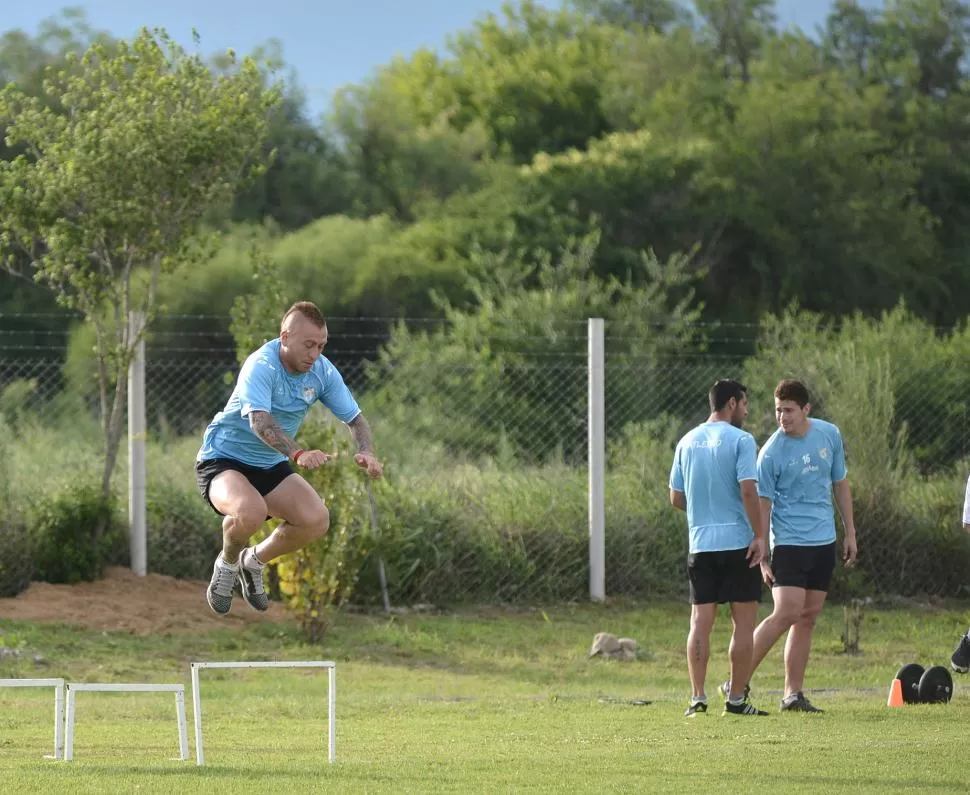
x: 766, y: 515
x: 752, y: 507
x: 843, y: 501
x: 361, y: 432
x: 678, y: 499
x: 266, y: 427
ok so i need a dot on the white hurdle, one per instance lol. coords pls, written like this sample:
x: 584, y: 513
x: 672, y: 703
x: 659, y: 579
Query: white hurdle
x: 331, y: 696
x: 58, y: 685
x: 179, y: 690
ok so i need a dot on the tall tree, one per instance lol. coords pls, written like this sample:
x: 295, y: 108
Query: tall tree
x: 307, y: 178
x: 737, y: 30
x: 659, y: 16
x: 116, y: 189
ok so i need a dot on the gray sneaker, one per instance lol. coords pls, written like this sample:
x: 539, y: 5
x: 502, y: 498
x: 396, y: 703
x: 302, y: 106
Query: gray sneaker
x: 797, y: 702
x: 251, y: 583
x: 219, y: 593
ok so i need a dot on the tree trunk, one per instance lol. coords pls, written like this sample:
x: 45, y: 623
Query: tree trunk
x: 112, y: 443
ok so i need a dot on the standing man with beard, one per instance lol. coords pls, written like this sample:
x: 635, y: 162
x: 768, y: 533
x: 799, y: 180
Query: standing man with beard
x: 714, y: 480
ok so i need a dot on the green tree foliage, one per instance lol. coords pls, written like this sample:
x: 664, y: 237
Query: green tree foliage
x: 116, y: 183
x: 818, y: 206
x: 474, y: 382
x: 307, y: 177
x: 402, y: 142
x: 737, y: 30
x: 659, y: 16
x: 534, y: 78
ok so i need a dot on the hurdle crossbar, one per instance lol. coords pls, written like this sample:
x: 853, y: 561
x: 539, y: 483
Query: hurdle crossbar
x: 102, y: 687
x: 58, y: 685
x: 331, y: 696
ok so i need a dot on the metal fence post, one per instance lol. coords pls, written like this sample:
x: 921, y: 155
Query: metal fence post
x: 137, y: 513
x: 597, y: 461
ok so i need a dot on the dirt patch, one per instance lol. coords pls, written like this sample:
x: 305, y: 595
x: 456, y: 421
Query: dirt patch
x: 142, y: 605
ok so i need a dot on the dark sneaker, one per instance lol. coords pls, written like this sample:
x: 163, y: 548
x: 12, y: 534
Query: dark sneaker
x: 960, y: 661
x: 726, y: 689
x: 797, y: 702
x: 744, y: 708
x: 251, y: 583
x: 219, y: 593
x: 696, y: 708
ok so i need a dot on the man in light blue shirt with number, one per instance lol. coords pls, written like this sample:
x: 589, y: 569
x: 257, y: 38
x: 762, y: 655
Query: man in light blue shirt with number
x: 244, y: 469
x: 713, y: 479
x: 799, y: 469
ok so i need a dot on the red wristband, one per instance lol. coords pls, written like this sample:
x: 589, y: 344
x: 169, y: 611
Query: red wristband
x: 296, y: 456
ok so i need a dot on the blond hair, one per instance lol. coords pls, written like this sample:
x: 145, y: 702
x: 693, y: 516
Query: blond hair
x: 308, y: 310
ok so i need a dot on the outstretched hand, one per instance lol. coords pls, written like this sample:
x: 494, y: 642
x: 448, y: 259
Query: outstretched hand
x: 369, y: 462
x: 312, y: 459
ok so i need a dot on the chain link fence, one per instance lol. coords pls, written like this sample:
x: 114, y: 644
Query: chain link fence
x: 486, y: 497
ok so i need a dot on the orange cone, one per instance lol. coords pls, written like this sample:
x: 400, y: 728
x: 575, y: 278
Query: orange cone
x: 896, y: 694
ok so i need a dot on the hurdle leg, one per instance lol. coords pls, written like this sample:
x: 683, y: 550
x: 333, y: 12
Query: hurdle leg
x: 197, y: 715
x: 332, y: 711
x: 69, y: 727
x: 59, y: 721
x: 183, y: 730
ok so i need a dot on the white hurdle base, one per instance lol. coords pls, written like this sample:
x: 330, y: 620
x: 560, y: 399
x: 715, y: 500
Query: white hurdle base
x: 179, y: 690
x: 58, y: 685
x: 331, y: 697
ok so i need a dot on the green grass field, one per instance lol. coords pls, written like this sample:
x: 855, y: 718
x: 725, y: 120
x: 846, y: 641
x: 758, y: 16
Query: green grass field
x: 484, y: 701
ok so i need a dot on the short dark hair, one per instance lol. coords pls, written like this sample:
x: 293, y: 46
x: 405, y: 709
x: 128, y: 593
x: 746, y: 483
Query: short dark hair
x: 309, y: 311
x: 790, y: 389
x: 723, y: 390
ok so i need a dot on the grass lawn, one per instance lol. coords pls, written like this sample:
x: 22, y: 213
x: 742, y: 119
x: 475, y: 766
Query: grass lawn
x: 484, y: 700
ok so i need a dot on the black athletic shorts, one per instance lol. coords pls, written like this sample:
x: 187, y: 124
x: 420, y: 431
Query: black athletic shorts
x: 810, y: 568
x: 720, y: 577
x: 263, y: 480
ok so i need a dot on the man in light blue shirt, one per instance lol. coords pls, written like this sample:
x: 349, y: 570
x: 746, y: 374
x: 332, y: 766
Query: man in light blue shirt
x: 243, y: 467
x: 799, y: 469
x: 713, y: 479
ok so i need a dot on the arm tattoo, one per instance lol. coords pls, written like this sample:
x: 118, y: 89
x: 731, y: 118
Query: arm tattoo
x: 266, y: 427
x: 361, y: 432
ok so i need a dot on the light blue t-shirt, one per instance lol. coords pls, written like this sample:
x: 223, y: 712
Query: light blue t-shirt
x: 265, y: 385
x: 709, y: 463
x: 796, y: 474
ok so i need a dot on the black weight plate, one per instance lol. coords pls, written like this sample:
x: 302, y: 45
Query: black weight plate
x: 936, y: 685
x: 909, y: 675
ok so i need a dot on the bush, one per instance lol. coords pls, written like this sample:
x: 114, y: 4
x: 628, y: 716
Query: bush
x: 320, y: 577
x: 184, y: 535
x: 16, y: 557
x: 65, y: 527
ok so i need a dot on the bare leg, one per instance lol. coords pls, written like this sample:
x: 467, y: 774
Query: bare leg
x: 744, y: 615
x: 699, y: 645
x: 245, y: 511
x: 306, y: 518
x: 789, y: 603
x: 799, y: 643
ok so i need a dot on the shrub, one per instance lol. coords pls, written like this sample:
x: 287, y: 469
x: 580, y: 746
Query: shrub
x: 319, y: 578
x: 65, y: 526
x: 184, y: 535
x: 16, y: 557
